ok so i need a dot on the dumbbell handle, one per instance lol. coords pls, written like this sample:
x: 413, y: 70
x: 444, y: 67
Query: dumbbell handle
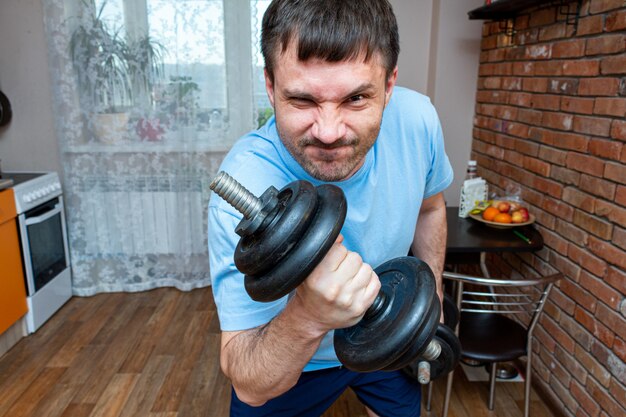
x: 236, y: 195
x: 432, y: 352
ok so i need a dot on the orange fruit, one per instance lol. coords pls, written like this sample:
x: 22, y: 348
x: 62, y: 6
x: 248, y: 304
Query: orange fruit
x: 502, y: 218
x: 490, y: 213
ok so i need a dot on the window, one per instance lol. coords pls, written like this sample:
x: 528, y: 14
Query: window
x: 202, y: 76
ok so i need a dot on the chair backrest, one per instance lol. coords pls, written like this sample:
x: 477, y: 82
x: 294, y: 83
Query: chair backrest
x: 503, y: 296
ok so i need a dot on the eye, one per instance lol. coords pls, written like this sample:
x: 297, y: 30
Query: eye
x: 356, y: 98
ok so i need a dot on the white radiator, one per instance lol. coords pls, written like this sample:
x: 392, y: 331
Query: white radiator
x: 144, y: 220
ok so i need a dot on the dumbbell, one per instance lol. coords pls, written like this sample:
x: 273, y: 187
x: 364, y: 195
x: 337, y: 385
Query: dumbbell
x: 286, y: 233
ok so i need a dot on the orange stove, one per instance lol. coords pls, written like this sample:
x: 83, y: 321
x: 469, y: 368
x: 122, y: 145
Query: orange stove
x: 12, y: 290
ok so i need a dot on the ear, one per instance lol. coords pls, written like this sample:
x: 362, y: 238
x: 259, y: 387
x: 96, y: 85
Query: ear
x: 391, y: 82
x: 269, y: 86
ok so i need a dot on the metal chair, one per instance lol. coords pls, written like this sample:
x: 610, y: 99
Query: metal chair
x: 486, y: 328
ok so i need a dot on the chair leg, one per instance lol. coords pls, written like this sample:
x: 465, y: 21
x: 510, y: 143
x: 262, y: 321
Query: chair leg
x: 429, y: 396
x: 446, y: 400
x: 529, y: 370
x: 492, y: 384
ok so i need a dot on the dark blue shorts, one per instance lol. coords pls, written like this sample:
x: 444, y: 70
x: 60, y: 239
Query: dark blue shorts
x: 388, y: 394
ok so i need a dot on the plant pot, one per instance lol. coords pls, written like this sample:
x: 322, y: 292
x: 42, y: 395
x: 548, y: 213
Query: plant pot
x: 110, y: 128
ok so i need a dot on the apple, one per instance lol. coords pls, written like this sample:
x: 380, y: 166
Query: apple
x: 517, y: 217
x: 524, y: 212
x: 504, y: 207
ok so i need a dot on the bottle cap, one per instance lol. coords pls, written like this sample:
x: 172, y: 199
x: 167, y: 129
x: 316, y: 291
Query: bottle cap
x: 471, y: 163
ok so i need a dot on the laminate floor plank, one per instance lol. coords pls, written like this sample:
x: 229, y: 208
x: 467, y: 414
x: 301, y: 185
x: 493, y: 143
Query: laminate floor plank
x: 156, y: 354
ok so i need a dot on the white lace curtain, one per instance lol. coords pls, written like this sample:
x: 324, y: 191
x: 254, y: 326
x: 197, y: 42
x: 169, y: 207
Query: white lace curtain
x: 149, y: 95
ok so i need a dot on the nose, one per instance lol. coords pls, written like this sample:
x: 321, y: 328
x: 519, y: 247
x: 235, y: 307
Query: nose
x: 329, y: 126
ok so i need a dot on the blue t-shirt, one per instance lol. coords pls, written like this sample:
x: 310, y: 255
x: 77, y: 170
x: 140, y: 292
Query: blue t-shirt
x: 407, y: 164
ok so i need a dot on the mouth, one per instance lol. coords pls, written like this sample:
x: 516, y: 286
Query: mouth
x: 329, y: 154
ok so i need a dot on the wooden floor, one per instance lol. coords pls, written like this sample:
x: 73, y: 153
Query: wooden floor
x: 155, y: 354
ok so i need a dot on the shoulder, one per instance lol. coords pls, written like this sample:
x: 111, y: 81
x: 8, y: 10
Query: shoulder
x: 410, y: 106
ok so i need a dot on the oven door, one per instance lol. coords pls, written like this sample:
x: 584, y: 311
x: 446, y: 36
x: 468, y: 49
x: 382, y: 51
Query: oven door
x: 44, y: 243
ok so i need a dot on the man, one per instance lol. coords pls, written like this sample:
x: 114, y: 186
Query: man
x: 330, y: 76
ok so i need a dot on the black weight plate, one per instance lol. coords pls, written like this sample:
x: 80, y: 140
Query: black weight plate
x: 420, y: 341
x: 375, y: 342
x: 450, y: 354
x: 450, y: 312
x: 447, y: 360
x: 261, y: 251
x: 308, y: 252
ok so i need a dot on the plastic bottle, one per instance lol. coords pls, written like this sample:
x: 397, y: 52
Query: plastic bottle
x: 471, y: 170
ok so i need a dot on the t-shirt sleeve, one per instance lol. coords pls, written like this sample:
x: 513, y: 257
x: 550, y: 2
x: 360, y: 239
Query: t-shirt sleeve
x: 440, y: 174
x: 236, y: 310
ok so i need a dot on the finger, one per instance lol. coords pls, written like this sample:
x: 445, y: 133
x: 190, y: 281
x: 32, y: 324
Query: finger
x: 335, y: 256
x: 350, y: 265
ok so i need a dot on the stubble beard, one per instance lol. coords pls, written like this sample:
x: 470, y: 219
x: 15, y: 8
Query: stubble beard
x: 330, y: 170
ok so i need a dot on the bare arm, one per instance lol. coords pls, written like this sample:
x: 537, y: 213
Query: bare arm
x: 265, y: 362
x: 429, y: 242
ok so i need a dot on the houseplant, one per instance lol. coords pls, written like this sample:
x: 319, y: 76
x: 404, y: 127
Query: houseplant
x: 113, y: 74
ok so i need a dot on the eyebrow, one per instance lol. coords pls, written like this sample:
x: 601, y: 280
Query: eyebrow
x: 296, y: 93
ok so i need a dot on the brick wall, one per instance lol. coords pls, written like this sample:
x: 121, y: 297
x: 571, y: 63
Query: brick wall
x: 550, y: 121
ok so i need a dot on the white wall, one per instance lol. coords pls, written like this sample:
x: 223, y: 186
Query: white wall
x: 28, y: 143
x: 439, y: 57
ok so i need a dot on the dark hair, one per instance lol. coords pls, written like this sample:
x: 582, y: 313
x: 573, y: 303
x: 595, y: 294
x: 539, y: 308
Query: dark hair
x: 332, y: 30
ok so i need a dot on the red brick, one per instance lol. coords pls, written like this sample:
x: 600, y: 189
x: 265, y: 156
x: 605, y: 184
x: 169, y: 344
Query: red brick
x: 567, y: 86
x: 612, y: 212
x: 567, y: 267
x: 605, y: 148
x: 615, y: 21
x: 607, y: 251
x: 554, y: 241
x: 616, y: 389
x: 610, y: 106
x: 537, y: 166
x: 531, y: 117
x: 620, y: 196
x: 607, y: 44
x: 517, y: 129
x: 577, y: 105
x: 571, y: 364
x: 597, y: 186
x: 555, y: 156
x: 542, y: 51
x: 560, y: 121
x: 527, y: 148
x: 535, y: 84
x: 558, y: 334
x: 489, y: 42
x: 610, y: 317
x: 618, y: 130
x: 576, y: 331
x: 588, y: 68
x: 579, y: 199
x: 615, y: 172
x: 598, y: 86
x: 547, y: 186
x: 492, y: 83
x: 604, y: 292
x: 545, y: 102
x: 599, y: 6
x: 549, y: 68
x: 524, y: 68
x: 589, y: 25
x: 593, y: 225
x: 613, y: 65
x: 562, y: 301
x: 492, y: 96
x: 608, y: 359
x: 542, y: 17
x: 514, y: 53
x: 594, y: 367
x: 600, y: 331
x: 619, y: 237
x: 591, y: 263
x: 568, y: 49
x: 602, y: 397
x: 585, y: 163
x: 511, y: 83
x: 521, y: 22
x: 597, y: 126
x: 526, y: 37
x: 571, y: 232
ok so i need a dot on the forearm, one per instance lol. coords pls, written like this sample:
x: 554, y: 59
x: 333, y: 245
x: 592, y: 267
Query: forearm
x: 429, y: 242
x: 265, y: 362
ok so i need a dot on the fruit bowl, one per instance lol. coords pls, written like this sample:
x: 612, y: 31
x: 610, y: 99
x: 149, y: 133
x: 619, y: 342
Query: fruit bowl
x: 497, y: 225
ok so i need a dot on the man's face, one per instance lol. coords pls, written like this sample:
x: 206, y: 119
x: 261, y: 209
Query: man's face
x: 328, y: 114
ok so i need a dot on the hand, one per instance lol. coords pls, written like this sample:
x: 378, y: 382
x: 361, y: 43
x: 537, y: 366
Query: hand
x: 339, y: 290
